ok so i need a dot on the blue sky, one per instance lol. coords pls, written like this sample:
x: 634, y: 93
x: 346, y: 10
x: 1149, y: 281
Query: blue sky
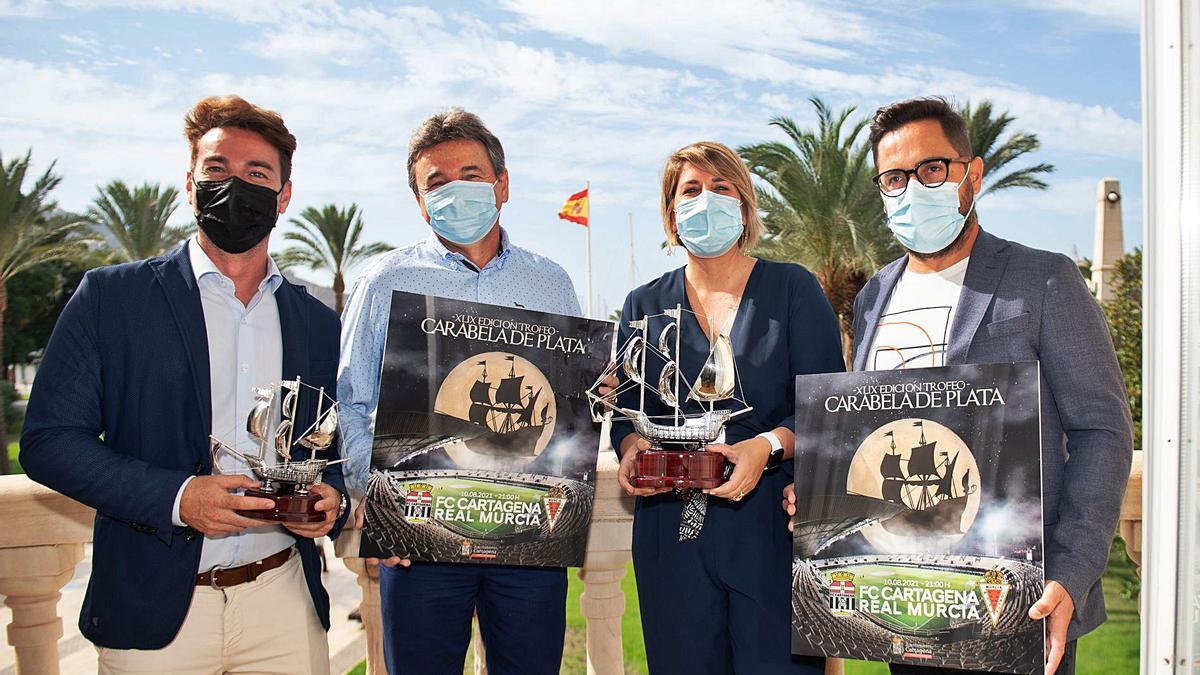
x: 599, y: 92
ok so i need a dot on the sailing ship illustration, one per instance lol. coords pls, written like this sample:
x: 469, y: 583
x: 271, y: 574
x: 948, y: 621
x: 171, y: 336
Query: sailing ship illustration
x: 688, y: 430
x: 924, y: 484
x: 508, y: 411
x: 273, y: 422
x: 512, y: 406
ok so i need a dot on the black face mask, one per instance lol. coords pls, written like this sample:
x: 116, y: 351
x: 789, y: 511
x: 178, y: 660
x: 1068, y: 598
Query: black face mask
x: 234, y: 214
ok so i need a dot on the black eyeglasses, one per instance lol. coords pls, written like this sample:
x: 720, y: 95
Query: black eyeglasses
x: 930, y: 173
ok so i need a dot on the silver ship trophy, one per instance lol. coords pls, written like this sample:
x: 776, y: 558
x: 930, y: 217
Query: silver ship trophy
x: 288, y: 482
x: 677, y: 457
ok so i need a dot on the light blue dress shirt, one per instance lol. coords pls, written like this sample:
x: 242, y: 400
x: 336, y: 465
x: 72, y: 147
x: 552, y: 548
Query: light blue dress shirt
x: 515, y: 278
x: 245, y: 350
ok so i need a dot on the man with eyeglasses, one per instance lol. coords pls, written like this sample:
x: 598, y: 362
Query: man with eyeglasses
x: 962, y: 295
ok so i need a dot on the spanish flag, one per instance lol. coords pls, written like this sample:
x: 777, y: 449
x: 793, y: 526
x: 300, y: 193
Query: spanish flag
x: 576, y: 208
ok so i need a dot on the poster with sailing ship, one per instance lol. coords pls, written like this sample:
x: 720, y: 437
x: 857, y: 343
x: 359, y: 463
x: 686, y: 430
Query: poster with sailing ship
x: 484, y: 449
x: 918, y: 528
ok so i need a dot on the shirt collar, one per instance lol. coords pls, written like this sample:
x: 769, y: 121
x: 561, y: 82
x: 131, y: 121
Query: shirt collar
x: 203, y: 266
x: 453, y: 260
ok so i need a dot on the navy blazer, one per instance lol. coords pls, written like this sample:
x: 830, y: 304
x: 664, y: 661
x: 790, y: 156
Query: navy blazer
x: 1024, y: 304
x: 119, y: 417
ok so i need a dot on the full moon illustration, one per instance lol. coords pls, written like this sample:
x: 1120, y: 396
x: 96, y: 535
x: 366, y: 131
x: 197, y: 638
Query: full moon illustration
x: 922, y: 486
x: 518, y: 402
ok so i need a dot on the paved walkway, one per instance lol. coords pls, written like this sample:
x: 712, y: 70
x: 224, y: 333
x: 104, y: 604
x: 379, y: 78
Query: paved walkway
x: 77, y: 656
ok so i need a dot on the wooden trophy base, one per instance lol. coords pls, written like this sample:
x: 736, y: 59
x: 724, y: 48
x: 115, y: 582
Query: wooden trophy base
x: 289, y: 507
x: 680, y: 469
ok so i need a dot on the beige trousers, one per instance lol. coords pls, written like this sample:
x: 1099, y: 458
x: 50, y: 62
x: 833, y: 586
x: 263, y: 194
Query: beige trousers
x: 265, y: 626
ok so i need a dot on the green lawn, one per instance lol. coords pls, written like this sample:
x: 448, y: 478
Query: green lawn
x: 12, y: 457
x: 1110, y: 650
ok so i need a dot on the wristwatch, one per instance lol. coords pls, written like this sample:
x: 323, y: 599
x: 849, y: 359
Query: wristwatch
x: 341, y: 506
x: 776, y: 457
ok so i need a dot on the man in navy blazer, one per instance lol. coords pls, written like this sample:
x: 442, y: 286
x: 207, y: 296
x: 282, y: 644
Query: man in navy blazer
x: 147, y: 360
x: 961, y: 295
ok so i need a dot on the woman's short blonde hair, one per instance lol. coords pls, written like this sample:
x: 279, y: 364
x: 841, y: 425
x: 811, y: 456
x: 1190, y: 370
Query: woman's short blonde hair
x: 718, y: 160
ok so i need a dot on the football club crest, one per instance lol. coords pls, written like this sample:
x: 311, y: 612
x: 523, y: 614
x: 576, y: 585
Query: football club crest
x: 555, y: 502
x: 897, y: 645
x: 995, y: 593
x: 842, y: 598
x: 466, y: 548
x: 418, y: 502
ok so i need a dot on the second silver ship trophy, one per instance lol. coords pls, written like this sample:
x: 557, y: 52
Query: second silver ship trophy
x: 677, y: 457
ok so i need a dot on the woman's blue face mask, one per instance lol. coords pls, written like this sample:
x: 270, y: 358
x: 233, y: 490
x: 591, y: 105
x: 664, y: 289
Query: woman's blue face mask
x: 709, y: 224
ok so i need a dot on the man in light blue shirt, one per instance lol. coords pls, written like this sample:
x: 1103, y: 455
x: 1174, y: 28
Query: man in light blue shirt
x: 456, y: 171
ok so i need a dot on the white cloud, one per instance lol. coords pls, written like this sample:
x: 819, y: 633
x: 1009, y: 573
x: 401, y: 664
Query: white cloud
x: 719, y: 37
x: 81, y: 43
x: 597, y: 92
x: 22, y: 8
x: 1121, y: 14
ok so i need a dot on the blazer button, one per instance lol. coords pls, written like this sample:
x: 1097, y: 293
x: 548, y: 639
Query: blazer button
x: 199, y: 468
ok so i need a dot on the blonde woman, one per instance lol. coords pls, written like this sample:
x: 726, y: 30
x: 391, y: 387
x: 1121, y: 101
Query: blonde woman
x: 713, y: 566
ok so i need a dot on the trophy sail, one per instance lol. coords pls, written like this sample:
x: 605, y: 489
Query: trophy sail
x: 666, y: 385
x: 320, y: 435
x: 258, y: 422
x: 718, y: 377
x: 663, y: 345
x: 632, y: 362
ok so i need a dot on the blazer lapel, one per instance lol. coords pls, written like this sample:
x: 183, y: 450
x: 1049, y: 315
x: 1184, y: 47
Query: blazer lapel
x: 174, y: 273
x: 293, y: 327
x: 888, y: 277
x: 988, y: 259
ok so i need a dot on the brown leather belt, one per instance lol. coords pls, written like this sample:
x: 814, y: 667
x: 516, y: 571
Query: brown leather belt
x: 232, y: 576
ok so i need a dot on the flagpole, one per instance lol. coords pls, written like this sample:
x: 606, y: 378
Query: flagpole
x: 632, y: 261
x: 587, y: 187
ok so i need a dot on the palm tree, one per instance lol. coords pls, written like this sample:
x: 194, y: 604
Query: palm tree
x: 820, y: 207
x: 31, y: 233
x: 986, y: 129
x: 328, y: 240
x: 137, y: 219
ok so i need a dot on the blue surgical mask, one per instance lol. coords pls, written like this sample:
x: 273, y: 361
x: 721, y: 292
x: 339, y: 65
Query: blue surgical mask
x: 925, y: 219
x: 462, y: 211
x: 708, y: 224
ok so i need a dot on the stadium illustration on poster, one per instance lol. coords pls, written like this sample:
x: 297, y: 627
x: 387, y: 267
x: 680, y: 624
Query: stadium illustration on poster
x: 918, y: 528
x: 484, y: 449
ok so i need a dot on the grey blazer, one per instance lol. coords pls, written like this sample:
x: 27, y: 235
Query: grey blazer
x: 1023, y: 304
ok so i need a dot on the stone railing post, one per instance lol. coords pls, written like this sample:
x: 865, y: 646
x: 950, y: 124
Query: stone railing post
x: 346, y: 548
x: 608, y: 553
x: 1130, y: 526
x: 40, y: 543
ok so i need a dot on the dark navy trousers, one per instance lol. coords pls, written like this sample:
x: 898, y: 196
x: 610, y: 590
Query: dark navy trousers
x: 721, y: 603
x: 427, y: 610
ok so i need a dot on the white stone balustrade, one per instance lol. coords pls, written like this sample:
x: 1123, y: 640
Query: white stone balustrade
x: 42, y: 534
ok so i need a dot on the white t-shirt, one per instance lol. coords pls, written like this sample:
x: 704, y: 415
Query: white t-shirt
x: 914, y: 330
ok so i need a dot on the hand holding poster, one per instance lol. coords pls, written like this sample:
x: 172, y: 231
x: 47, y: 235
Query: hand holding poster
x: 484, y: 448
x: 918, y: 528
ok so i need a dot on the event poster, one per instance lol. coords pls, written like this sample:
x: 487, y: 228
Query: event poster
x: 918, y: 528
x: 484, y: 450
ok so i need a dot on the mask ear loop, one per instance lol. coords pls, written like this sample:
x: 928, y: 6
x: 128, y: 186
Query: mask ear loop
x: 974, y: 198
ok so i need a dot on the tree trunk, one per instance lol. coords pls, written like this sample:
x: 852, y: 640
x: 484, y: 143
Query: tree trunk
x: 339, y: 291
x: 5, y: 466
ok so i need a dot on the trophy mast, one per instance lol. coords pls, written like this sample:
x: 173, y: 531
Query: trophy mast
x: 678, y: 327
